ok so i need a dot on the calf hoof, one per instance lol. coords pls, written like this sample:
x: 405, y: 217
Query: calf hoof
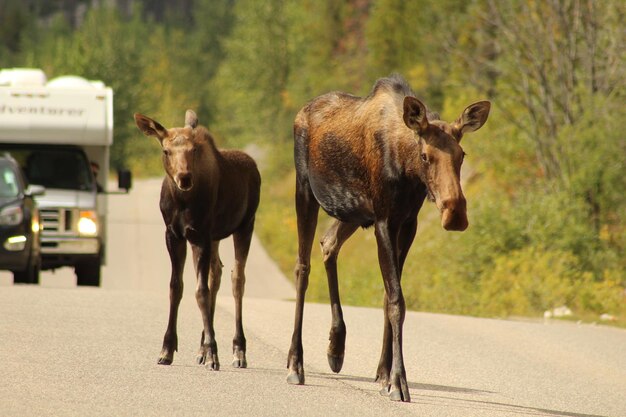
x: 207, y: 356
x: 239, y: 361
x: 211, y: 362
x: 213, y: 365
x: 335, y: 362
x: 239, y: 357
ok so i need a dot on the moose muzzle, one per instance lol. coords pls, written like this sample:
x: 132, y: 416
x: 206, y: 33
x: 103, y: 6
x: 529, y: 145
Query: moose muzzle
x: 454, y: 214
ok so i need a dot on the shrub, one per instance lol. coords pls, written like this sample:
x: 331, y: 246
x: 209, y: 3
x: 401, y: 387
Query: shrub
x: 531, y: 280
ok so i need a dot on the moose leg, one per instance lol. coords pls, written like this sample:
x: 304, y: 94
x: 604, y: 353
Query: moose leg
x: 177, y: 249
x: 405, y: 239
x: 209, y: 274
x: 331, y: 243
x: 241, y: 240
x: 306, y: 210
x: 384, y: 364
x: 388, y: 257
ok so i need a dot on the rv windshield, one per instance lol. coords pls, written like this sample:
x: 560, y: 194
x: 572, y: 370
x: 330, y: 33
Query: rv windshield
x: 54, y: 167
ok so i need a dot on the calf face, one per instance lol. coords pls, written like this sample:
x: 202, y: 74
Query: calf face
x: 180, y: 147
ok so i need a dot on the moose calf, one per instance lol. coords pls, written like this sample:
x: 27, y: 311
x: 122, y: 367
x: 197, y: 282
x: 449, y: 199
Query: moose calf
x: 206, y: 196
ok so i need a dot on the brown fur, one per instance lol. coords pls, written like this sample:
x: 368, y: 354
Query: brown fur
x: 373, y: 161
x: 206, y: 196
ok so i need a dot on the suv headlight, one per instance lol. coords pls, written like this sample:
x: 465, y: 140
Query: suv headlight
x: 11, y: 216
x: 88, y: 223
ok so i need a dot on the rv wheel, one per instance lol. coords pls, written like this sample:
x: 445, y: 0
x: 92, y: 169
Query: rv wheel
x: 88, y: 273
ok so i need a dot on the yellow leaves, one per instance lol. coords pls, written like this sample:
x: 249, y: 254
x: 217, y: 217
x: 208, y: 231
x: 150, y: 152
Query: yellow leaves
x: 287, y: 100
x: 535, y: 279
x: 417, y: 76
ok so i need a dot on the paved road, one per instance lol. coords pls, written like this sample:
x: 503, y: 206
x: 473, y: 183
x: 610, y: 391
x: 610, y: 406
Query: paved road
x: 67, y: 351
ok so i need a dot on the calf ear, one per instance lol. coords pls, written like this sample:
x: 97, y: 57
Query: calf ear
x: 473, y: 117
x: 415, y: 114
x: 150, y: 127
x: 191, y: 119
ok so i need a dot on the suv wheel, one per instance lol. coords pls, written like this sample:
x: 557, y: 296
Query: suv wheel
x: 31, y: 274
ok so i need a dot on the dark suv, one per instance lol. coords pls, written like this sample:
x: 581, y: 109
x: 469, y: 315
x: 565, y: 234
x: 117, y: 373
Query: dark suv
x: 19, y: 223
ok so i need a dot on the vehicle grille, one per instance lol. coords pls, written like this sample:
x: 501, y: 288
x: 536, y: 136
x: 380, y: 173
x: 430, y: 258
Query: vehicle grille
x: 56, y: 221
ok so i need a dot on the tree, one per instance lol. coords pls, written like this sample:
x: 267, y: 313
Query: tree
x: 555, y: 57
x: 252, y: 78
x: 15, y: 20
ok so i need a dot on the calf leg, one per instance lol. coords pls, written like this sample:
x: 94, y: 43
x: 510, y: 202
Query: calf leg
x: 177, y: 249
x: 209, y: 274
x: 331, y: 243
x: 306, y: 209
x: 241, y: 240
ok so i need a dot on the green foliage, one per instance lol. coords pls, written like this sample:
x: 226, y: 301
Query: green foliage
x: 249, y: 94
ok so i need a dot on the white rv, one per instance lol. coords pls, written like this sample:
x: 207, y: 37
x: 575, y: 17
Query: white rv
x: 60, y: 132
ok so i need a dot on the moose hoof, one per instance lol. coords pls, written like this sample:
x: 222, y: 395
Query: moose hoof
x: 335, y: 363
x: 295, y: 379
x: 398, y: 395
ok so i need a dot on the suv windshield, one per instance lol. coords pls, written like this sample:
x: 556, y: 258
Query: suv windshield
x: 8, y: 181
x: 54, y: 167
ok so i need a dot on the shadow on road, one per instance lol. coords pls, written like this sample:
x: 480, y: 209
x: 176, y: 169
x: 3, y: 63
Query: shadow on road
x: 412, y: 385
x: 470, y: 404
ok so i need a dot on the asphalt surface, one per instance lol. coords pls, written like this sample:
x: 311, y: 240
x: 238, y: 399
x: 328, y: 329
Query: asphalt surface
x: 68, y: 351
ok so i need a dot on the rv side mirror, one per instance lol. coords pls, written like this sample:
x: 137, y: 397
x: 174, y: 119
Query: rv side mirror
x: 124, y: 179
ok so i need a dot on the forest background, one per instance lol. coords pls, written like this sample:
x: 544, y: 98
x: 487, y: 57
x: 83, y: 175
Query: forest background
x: 544, y: 178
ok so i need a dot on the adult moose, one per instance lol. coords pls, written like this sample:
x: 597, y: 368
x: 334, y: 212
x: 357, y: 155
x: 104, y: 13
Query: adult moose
x: 372, y: 161
x: 206, y: 196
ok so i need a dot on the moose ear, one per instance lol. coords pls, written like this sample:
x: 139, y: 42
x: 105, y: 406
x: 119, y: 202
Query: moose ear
x: 473, y: 117
x: 150, y: 127
x: 191, y: 119
x: 415, y: 114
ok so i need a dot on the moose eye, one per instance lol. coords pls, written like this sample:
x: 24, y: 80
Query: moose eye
x: 424, y: 157
x: 166, y: 152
